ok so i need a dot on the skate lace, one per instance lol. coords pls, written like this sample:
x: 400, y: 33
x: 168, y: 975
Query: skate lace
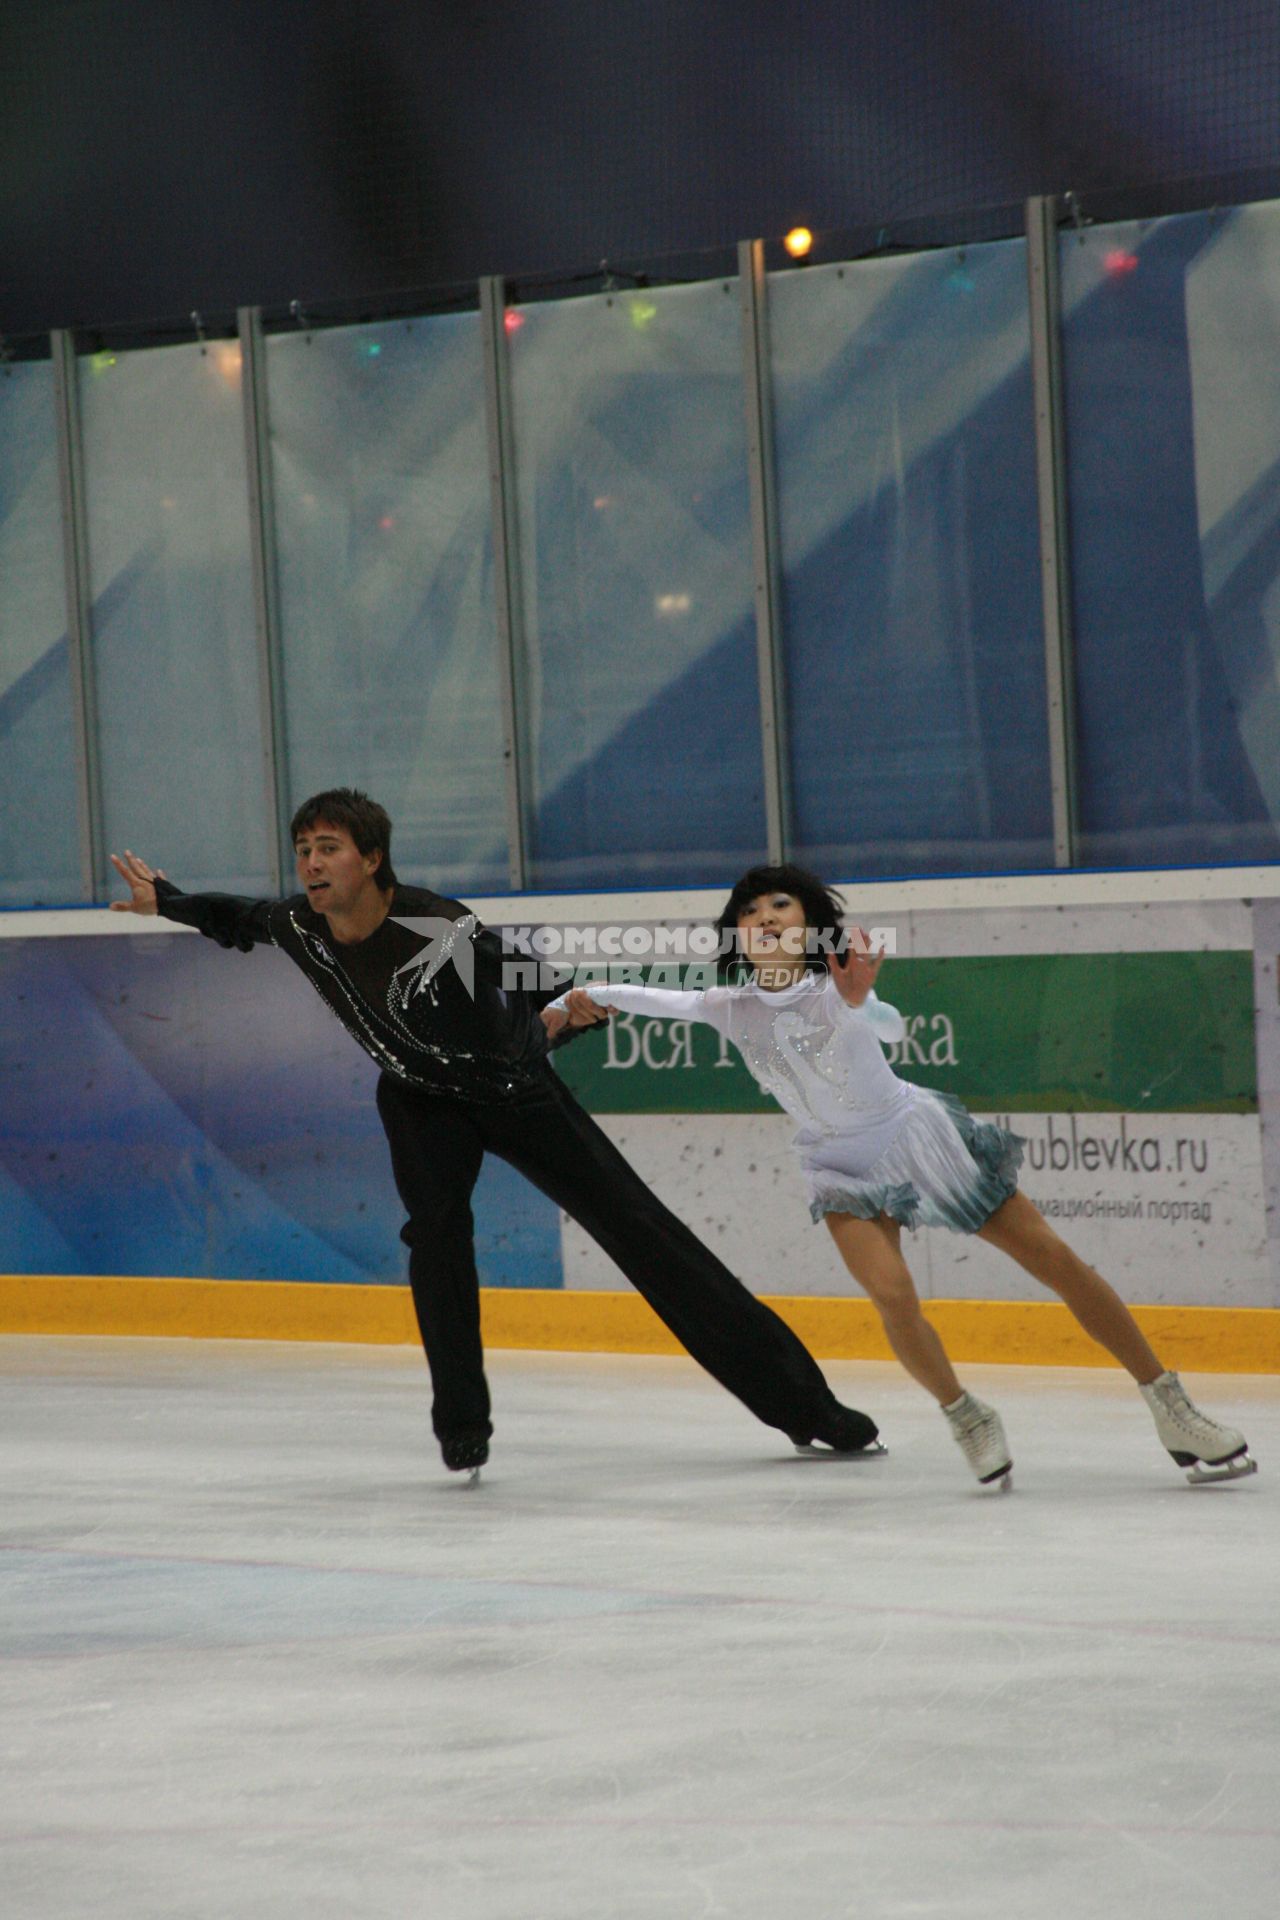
x: 977, y: 1429
x: 969, y: 1418
x: 1184, y: 1413
x: 1181, y: 1410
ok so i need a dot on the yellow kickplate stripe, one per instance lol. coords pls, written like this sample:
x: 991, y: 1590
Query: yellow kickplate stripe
x: 1028, y: 1333
x: 206, y: 1309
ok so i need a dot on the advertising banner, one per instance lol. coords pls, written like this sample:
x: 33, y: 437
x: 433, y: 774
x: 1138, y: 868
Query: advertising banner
x: 1087, y: 1032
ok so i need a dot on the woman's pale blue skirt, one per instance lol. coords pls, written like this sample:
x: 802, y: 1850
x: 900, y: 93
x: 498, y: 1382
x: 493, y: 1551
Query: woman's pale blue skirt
x: 942, y: 1169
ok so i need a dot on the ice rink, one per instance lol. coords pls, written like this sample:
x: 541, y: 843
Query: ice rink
x: 263, y: 1658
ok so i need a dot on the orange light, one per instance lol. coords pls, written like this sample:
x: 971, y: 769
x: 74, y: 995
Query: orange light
x: 226, y: 358
x: 798, y: 242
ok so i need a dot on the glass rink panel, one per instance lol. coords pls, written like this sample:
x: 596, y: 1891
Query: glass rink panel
x: 385, y: 557
x: 643, y: 736
x: 911, y: 617
x: 39, y: 850
x: 175, y: 656
x: 1171, y: 339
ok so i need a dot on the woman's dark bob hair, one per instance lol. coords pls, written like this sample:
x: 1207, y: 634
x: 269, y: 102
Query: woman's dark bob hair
x: 823, y: 913
x: 368, y: 824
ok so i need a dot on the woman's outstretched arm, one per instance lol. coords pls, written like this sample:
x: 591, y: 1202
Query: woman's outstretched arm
x: 655, y: 1003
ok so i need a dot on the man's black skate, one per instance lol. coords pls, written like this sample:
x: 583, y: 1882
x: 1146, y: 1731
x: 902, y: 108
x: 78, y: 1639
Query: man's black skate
x: 465, y: 1451
x: 845, y: 1431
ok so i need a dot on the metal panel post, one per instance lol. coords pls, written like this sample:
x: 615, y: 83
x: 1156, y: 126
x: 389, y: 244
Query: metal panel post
x: 764, y: 544
x: 75, y: 557
x: 1051, y: 492
x: 266, y: 592
x: 508, y: 600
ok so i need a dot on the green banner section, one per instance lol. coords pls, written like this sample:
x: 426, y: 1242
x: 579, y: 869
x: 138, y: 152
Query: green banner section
x: 1036, y: 1033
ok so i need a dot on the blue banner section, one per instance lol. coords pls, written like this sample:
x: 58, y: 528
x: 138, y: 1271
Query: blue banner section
x: 167, y: 1108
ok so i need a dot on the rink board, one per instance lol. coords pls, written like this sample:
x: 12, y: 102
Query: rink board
x: 174, y: 1113
x: 1168, y: 1205
x: 1024, y: 1333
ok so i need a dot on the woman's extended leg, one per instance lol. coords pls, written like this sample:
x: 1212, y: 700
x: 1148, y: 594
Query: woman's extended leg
x: 871, y: 1249
x: 1019, y: 1229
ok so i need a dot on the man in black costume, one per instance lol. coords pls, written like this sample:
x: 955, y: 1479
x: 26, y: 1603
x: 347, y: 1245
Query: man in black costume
x: 419, y: 985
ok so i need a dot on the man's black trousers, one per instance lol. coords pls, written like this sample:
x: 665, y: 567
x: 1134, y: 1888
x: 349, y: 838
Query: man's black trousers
x: 436, y: 1149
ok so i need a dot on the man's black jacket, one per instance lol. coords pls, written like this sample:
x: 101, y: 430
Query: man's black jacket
x: 465, y: 1026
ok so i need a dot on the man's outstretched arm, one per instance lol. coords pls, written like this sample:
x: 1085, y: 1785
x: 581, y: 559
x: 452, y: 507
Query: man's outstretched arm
x: 228, y: 918
x: 141, y: 882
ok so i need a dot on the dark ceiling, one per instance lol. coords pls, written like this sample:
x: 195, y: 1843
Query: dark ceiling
x: 157, y: 155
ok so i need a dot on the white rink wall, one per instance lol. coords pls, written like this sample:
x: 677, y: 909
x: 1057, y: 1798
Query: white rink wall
x: 1198, y: 1241
x: 1172, y: 1201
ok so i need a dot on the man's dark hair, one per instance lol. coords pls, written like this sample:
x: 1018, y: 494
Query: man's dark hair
x: 822, y: 912
x: 368, y: 824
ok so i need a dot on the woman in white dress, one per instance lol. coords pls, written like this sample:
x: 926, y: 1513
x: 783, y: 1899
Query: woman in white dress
x: 879, y: 1154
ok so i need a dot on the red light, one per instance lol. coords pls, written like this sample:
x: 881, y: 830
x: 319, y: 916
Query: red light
x: 387, y: 522
x: 512, y: 320
x: 1118, y: 262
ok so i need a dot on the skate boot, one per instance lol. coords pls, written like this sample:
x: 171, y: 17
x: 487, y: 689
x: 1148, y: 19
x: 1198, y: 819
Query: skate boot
x: 846, y: 1431
x: 1210, y: 1452
x: 465, y: 1452
x: 979, y: 1433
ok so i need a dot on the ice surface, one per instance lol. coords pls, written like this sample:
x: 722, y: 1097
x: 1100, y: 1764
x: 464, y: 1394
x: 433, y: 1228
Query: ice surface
x: 263, y: 1657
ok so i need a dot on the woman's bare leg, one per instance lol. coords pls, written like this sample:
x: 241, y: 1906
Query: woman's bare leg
x: 1019, y: 1229
x: 871, y: 1251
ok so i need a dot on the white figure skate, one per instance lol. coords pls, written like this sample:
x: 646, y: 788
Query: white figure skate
x: 979, y: 1433
x: 1210, y: 1452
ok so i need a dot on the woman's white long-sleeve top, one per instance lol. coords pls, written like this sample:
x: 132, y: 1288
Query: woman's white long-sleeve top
x: 820, y: 1058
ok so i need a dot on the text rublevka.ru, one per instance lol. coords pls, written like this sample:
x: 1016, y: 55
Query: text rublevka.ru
x: 1069, y: 1145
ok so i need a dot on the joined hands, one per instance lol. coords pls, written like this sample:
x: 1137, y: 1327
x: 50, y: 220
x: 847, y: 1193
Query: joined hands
x: 579, y: 1010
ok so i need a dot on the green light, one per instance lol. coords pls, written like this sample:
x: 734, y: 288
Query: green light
x: 101, y: 361
x: 642, y: 313
x: 373, y: 349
